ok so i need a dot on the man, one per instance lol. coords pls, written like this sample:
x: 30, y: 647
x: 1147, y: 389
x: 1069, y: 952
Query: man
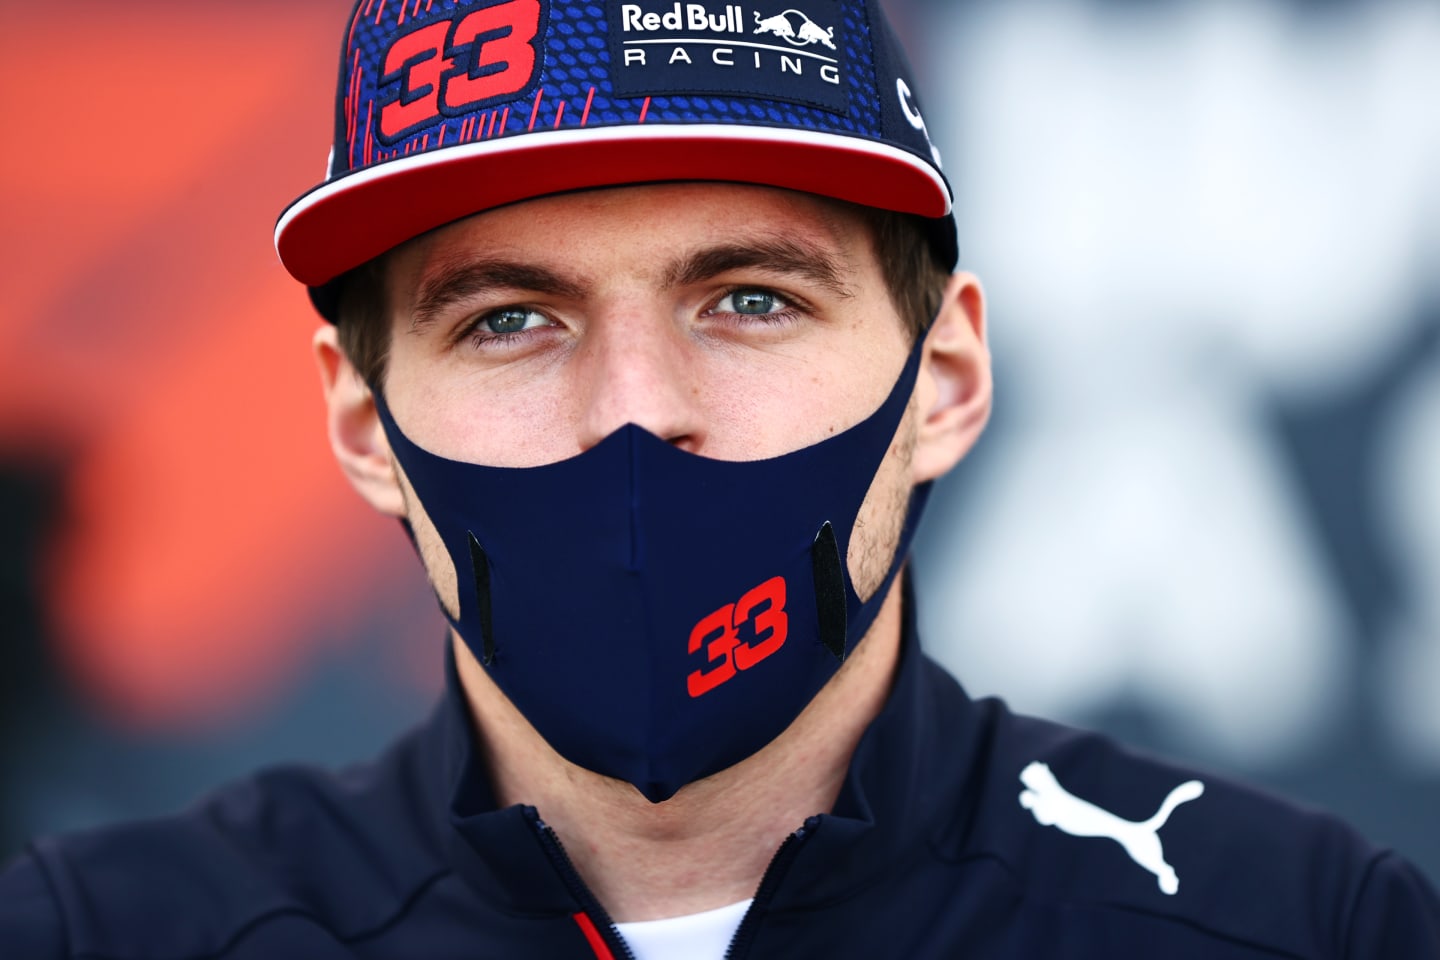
x: 643, y: 325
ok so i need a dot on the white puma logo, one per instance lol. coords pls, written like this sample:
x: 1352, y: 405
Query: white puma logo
x: 1054, y: 806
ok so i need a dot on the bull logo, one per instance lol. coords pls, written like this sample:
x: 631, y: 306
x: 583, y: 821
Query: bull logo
x: 795, y: 28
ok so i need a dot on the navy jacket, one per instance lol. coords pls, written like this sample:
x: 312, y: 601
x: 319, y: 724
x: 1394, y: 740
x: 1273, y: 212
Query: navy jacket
x: 929, y: 853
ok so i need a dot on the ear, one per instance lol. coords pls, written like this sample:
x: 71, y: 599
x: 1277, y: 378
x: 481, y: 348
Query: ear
x: 354, y: 427
x: 954, y: 389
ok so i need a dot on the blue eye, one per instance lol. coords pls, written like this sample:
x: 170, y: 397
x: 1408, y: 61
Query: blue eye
x: 511, y: 320
x: 751, y: 303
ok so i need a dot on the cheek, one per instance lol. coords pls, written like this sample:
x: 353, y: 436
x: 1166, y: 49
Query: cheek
x: 757, y: 409
x: 882, y: 515
x: 499, y: 421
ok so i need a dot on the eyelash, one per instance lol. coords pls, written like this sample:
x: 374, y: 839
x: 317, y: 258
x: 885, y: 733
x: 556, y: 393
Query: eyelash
x: 479, y: 340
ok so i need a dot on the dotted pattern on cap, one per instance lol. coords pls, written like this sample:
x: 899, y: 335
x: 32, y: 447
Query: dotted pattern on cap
x: 575, y: 85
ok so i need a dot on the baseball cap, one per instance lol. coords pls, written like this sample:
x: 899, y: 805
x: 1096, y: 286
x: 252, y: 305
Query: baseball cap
x: 447, y: 108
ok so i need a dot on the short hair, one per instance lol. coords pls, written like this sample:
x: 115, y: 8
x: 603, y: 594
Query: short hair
x: 908, y: 261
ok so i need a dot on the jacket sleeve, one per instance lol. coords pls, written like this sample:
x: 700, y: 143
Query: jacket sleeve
x: 30, y: 923
x: 1397, y: 914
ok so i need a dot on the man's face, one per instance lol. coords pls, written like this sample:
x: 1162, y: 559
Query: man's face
x: 736, y: 322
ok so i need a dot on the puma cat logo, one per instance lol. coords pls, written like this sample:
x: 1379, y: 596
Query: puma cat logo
x: 1054, y: 806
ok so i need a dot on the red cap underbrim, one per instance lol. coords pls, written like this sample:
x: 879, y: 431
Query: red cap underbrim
x: 345, y: 222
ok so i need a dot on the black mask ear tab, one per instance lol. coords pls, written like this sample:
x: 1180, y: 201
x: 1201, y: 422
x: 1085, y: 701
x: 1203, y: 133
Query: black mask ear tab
x: 829, y: 576
x: 481, y: 566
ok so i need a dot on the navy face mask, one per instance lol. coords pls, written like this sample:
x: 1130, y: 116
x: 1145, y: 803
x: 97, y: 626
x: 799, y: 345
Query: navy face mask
x: 656, y: 615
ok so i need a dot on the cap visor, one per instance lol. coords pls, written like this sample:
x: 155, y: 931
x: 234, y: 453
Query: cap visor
x: 341, y: 224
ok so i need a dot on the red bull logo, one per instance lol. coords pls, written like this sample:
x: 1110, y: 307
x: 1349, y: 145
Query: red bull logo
x: 787, y: 54
x: 795, y: 28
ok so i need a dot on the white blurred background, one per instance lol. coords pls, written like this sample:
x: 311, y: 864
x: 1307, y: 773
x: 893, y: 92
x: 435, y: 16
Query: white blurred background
x: 1207, y: 517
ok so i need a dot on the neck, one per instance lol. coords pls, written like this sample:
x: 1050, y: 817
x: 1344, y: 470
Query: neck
x: 708, y: 845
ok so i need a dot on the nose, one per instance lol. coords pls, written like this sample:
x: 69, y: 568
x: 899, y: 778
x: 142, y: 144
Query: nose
x: 640, y: 369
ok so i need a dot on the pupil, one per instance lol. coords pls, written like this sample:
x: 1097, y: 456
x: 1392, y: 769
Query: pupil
x: 754, y: 302
x: 506, y: 321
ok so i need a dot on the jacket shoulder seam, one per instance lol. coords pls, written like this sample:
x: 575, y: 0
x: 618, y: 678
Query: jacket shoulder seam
x: 250, y: 926
x: 34, y: 854
x: 1353, y: 907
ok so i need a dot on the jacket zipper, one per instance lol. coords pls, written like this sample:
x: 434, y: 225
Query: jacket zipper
x: 591, y: 906
x: 774, y: 873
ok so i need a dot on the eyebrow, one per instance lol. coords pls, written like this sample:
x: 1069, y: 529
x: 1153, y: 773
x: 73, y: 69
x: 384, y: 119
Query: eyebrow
x: 775, y: 254
x: 456, y: 282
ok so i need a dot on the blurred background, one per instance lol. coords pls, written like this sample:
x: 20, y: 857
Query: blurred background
x: 1206, y: 517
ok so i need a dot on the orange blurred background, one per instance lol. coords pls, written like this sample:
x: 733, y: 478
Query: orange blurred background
x: 154, y: 346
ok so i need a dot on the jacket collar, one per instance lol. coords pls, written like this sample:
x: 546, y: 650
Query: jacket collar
x: 905, y: 781
x: 497, y: 850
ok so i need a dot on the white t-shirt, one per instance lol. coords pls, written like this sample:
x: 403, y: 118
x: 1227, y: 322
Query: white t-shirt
x: 699, y: 936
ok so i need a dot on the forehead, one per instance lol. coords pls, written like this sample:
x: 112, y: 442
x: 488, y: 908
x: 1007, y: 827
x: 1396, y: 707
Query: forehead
x: 643, y: 230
